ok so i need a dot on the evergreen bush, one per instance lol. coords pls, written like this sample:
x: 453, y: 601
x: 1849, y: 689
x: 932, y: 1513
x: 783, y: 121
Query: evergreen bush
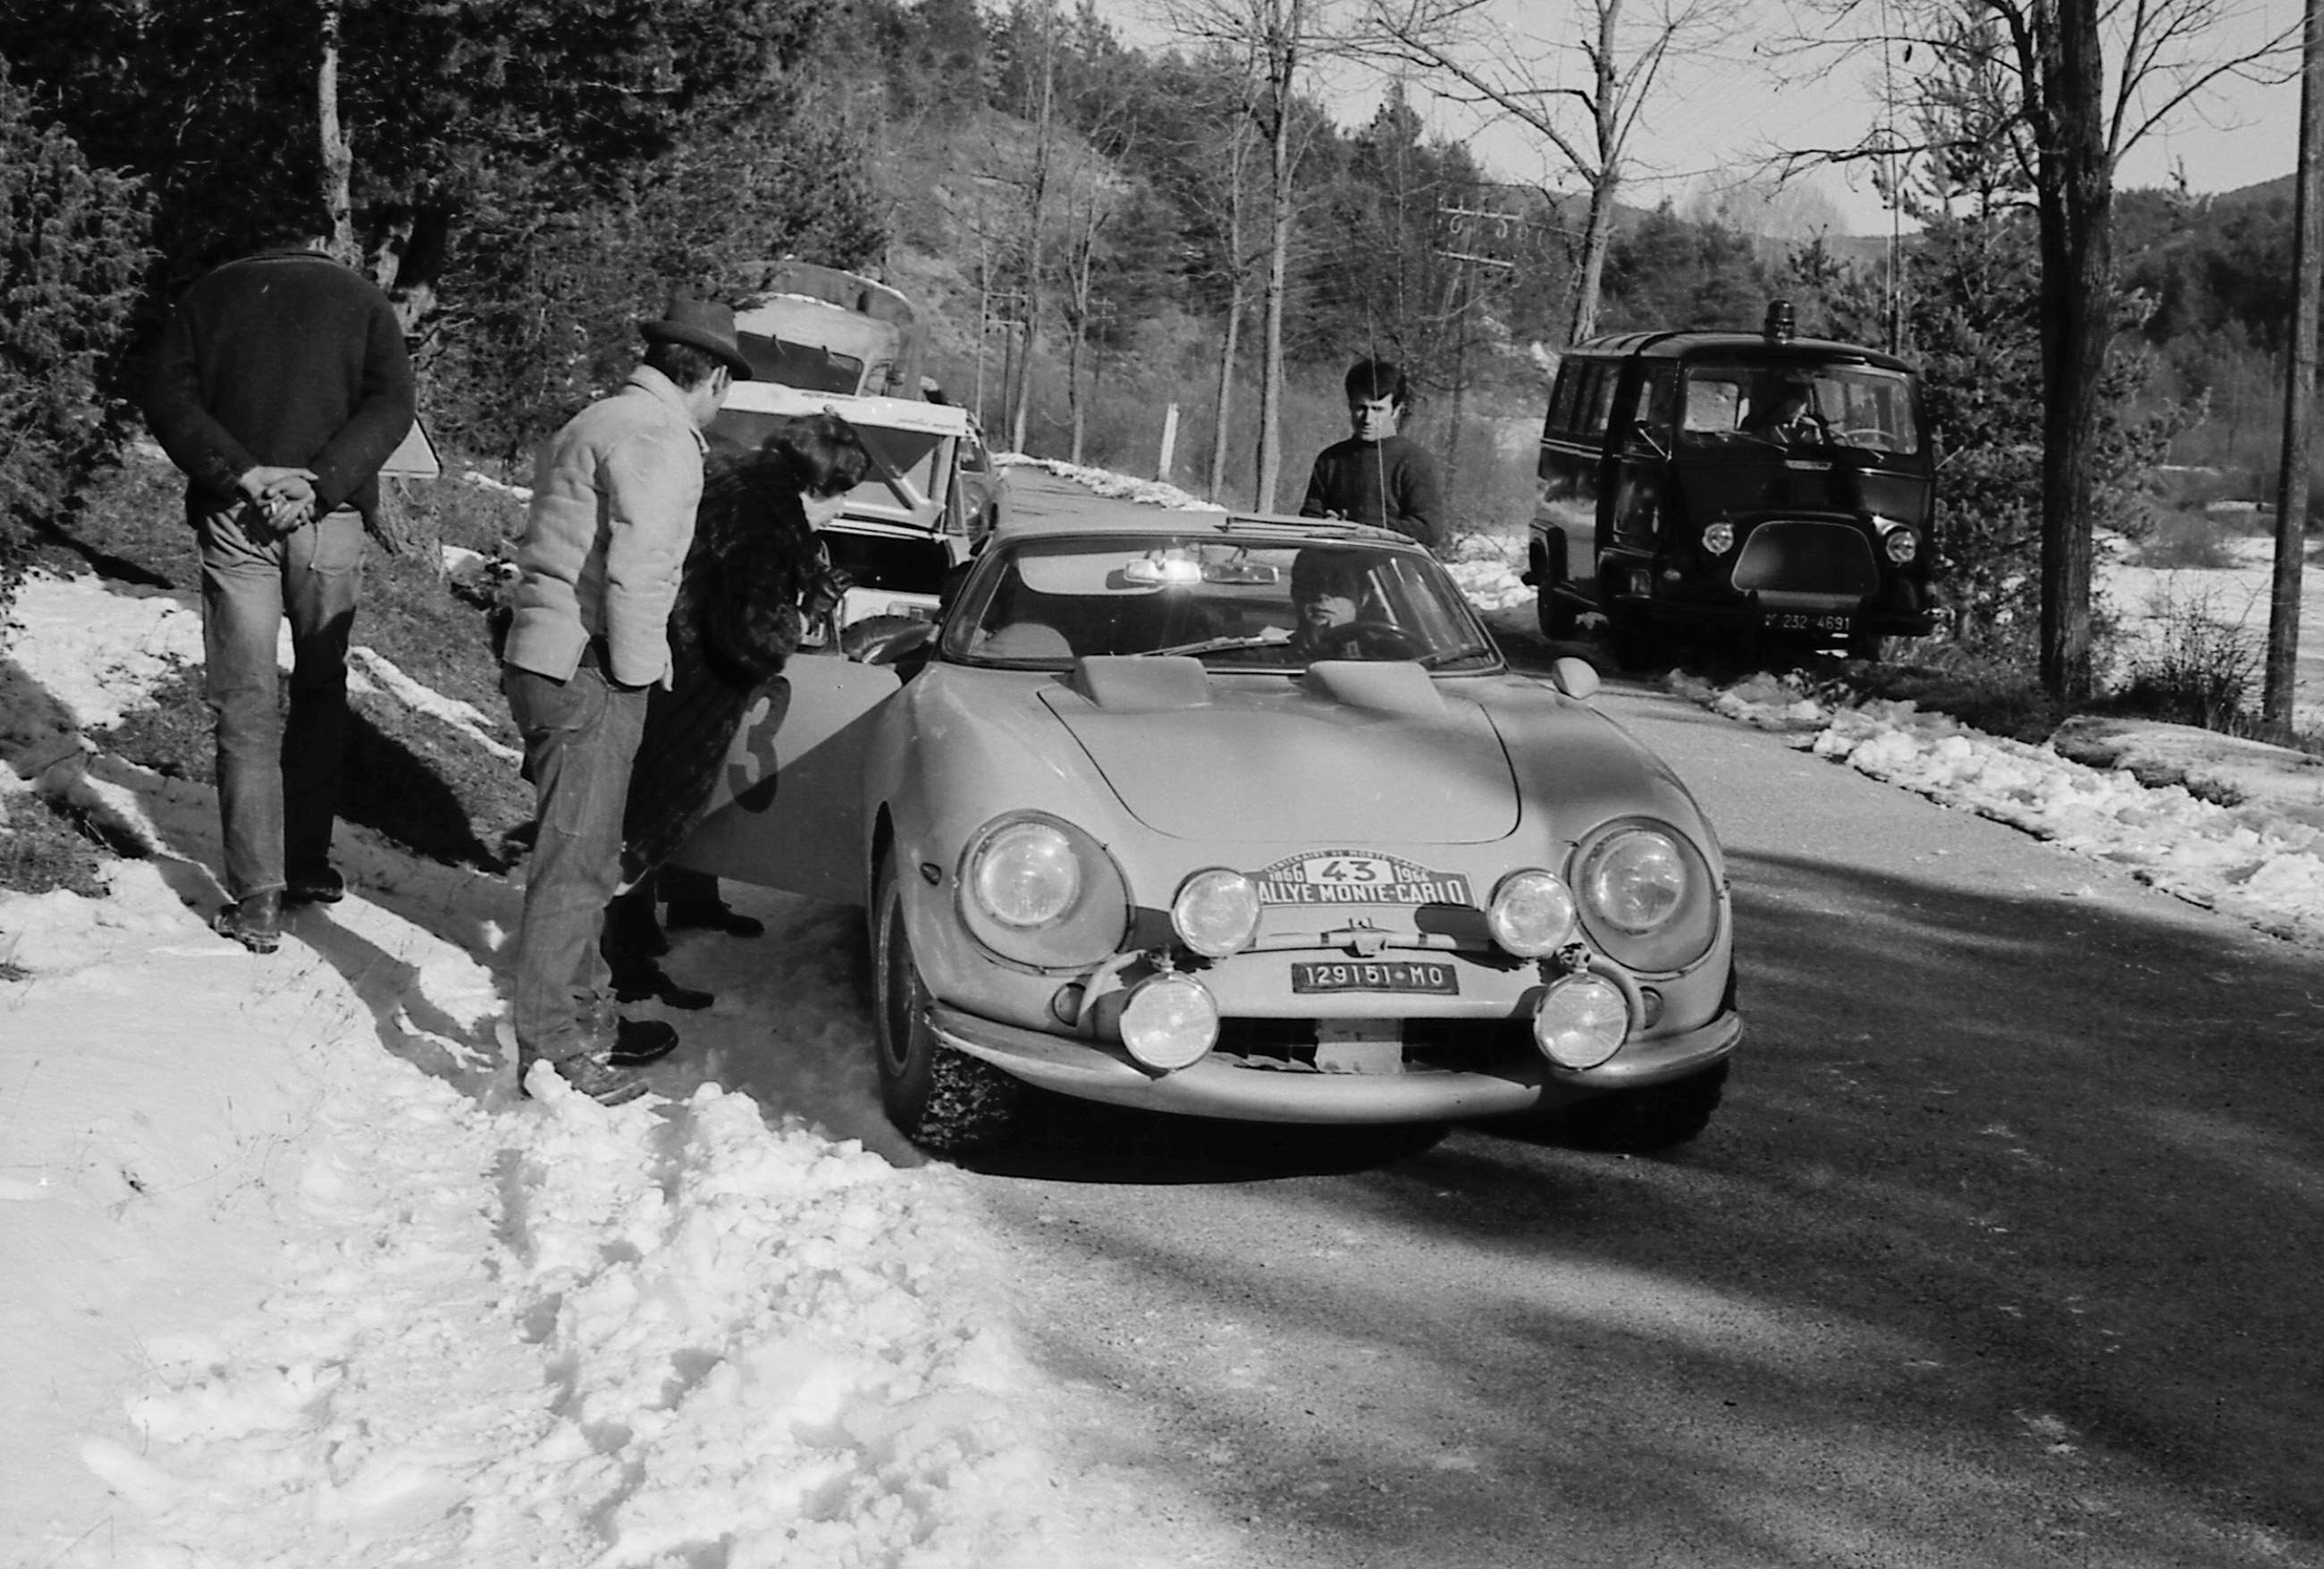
x: 72, y: 259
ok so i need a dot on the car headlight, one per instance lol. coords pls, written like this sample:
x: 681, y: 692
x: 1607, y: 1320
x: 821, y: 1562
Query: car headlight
x: 1719, y: 538
x: 1038, y: 890
x: 1904, y: 545
x: 1647, y: 896
x: 1582, y: 1020
x: 1025, y: 873
x: 1216, y: 912
x: 1169, y: 1021
x: 1531, y: 913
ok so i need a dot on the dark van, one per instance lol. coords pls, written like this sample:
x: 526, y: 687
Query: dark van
x: 1762, y: 483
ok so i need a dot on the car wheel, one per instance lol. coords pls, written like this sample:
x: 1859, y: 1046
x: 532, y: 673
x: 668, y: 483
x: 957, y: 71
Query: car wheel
x: 1641, y: 1121
x: 941, y: 1100
x: 1633, y: 637
x: 1554, y: 616
x: 1868, y: 646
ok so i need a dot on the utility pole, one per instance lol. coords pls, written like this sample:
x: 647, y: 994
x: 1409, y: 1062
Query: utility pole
x: 2299, y: 384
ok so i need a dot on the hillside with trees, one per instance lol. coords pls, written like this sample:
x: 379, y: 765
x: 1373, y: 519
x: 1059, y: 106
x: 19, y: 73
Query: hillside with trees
x: 1094, y: 228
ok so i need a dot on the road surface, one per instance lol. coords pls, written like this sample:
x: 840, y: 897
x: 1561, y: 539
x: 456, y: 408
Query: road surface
x: 2007, y: 1249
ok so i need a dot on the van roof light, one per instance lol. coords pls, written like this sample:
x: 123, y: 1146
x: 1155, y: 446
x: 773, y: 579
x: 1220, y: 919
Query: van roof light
x: 1780, y: 327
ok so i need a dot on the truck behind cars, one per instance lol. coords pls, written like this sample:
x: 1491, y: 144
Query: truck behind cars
x: 1761, y: 484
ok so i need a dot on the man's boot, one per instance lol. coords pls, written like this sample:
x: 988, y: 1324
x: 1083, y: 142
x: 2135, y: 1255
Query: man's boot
x: 255, y: 921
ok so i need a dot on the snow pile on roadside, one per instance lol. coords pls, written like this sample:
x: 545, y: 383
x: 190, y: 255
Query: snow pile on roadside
x: 1120, y: 486
x: 2245, y: 861
x: 291, y: 1277
x: 1486, y: 567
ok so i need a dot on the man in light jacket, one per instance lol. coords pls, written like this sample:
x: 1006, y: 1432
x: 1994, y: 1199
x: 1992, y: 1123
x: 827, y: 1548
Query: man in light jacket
x: 614, y: 500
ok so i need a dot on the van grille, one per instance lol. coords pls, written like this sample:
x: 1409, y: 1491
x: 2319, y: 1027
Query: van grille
x: 1790, y: 557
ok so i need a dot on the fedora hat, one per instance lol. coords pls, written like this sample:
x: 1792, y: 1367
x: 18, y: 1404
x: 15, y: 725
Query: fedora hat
x: 705, y: 325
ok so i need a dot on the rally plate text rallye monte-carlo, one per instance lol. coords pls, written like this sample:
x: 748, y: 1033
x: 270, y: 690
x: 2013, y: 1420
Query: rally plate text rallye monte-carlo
x: 1242, y: 818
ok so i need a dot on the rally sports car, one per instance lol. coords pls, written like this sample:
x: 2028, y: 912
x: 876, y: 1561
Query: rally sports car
x: 1243, y: 818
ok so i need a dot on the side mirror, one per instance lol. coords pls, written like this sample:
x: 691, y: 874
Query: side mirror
x: 1577, y: 679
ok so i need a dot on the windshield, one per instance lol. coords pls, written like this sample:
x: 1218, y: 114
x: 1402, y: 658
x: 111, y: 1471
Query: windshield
x: 904, y: 483
x: 1234, y: 605
x: 1744, y: 404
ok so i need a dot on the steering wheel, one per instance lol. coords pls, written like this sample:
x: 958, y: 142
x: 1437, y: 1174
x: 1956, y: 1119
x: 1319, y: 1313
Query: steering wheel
x: 1369, y: 639
x: 1863, y: 436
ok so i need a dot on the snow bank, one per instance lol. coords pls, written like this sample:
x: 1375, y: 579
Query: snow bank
x: 2259, y: 865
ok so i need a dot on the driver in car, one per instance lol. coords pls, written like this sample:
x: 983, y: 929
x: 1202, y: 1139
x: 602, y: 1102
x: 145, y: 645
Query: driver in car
x: 1327, y: 594
x: 1787, y: 416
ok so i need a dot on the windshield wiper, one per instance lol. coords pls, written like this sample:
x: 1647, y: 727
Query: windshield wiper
x: 1275, y: 638
x: 1446, y: 656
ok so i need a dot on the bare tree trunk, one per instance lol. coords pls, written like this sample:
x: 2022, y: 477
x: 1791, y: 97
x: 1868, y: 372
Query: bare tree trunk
x: 337, y: 158
x: 2299, y: 386
x: 1036, y: 192
x: 1270, y: 385
x: 1083, y: 305
x: 1230, y: 340
x: 1282, y: 44
x: 2076, y: 180
x: 1597, y: 239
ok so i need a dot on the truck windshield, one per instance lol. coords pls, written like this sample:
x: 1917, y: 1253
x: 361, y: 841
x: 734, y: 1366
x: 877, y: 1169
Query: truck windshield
x: 1742, y: 404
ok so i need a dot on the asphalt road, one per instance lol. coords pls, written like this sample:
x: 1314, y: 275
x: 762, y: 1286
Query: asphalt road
x: 2007, y: 1247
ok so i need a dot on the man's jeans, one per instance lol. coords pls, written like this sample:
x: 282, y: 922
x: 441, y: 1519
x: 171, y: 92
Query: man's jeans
x: 278, y: 779
x: 580, y: 738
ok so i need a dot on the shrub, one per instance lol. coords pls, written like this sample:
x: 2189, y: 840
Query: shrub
x: 2196, y: 667
x: 72, y: 255
x: 2180, y: 539
x: 44, y: 846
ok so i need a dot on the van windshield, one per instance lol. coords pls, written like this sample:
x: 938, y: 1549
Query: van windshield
x: 1743, y: 404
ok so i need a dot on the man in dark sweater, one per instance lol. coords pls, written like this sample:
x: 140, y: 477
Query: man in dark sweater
x: 281, y: 388
x: 1377, y: 476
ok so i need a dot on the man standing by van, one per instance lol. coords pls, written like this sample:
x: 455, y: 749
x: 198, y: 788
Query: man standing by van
x: 614, y: 500
x: 1375, y: 475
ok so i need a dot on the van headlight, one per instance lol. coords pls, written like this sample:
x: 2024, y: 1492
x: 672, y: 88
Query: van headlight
x: 1038, y: 890
x: 1531, y: 913
x: 1216, y: 912
x: 1647, y: 896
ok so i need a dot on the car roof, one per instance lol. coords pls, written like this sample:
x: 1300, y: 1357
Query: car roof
x: 895, y: 413
x: 1750, y: 345
x: 1121, y: 517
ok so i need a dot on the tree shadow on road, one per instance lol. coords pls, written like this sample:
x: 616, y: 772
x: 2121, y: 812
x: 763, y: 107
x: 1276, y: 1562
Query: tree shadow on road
x: 2002, y: 1251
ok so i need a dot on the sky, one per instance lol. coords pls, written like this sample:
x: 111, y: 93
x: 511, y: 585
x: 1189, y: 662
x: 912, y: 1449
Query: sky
x: 290, y: 1275
x: 1752, y: 99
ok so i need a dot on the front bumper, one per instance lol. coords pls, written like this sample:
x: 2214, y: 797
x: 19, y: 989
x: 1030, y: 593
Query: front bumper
x: 1213, y: 1087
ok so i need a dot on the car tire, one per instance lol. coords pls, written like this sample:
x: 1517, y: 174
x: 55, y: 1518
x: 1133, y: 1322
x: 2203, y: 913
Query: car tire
x: 941, y: 1100
x: 1632, y: 637
x: 1868, y: 646
x: 1641, y: 1121
x: 1554, y: 614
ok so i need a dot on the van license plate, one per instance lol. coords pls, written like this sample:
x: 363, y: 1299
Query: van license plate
x: 1375, y: 975
x: 1807, y: 621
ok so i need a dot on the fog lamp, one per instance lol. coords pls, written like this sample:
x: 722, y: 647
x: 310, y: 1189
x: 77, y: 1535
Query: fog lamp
x: 1216, y: 912
x: 1169, y: 1021
x: 1531, y: 913
x: 1581, y: 1021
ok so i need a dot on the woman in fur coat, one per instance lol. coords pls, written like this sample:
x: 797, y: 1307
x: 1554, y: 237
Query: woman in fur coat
x: 754, y: 579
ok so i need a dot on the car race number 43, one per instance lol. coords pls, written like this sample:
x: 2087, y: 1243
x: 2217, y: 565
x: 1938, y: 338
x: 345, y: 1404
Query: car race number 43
x: 1357, y: 877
